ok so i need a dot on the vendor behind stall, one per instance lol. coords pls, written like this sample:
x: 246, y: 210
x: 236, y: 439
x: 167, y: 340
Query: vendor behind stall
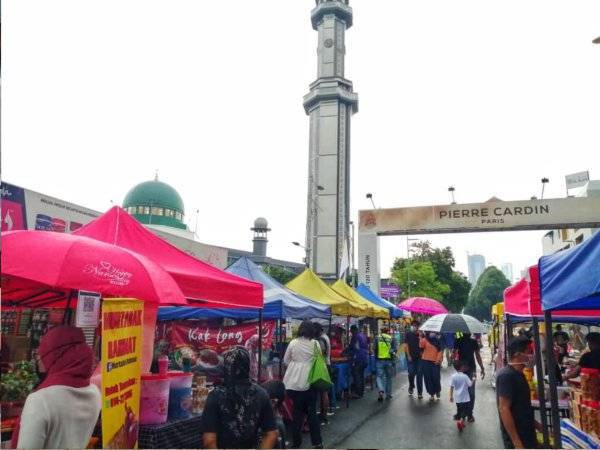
x: 589, y: 360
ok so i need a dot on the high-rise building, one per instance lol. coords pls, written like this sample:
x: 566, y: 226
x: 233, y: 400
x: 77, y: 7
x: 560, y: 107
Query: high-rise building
x: 507, y: 270
x: 330, y: 104
x: 476, y: 267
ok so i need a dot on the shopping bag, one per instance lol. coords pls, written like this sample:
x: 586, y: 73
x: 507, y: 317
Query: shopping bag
x: 318, y: 377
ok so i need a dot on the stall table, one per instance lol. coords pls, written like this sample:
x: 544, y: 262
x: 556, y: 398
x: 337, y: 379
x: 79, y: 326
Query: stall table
x: 184, y: 433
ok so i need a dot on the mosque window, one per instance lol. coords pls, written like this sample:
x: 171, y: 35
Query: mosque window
x: 155, y: 211
x: 146, y: 210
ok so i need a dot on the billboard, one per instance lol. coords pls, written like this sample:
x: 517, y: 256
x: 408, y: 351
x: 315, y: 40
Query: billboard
x: 495, y: 215
x: 577, y: 179
x: 23, y: 209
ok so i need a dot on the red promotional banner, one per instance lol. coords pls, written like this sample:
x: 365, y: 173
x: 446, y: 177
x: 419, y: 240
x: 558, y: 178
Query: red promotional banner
x: 203, y: 343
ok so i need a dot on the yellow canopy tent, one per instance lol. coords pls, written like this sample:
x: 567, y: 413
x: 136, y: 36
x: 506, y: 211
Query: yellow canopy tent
x: 377, y: 312
x: 310, y: 285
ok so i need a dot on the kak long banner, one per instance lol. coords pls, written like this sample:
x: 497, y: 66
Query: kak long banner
x: 121, y: 369
x: 203, y: 344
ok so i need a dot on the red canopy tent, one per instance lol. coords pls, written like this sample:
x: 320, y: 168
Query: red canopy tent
x: 198, y: 280
x: 523, y: 300
x: 41, y: 268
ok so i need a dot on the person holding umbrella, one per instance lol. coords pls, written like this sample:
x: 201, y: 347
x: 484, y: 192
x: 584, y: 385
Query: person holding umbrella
x: 431, y: 361
x: 453, y: 323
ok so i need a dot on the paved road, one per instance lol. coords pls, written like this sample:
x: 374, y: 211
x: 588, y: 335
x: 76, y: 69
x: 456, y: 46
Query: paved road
x: 406, y: 422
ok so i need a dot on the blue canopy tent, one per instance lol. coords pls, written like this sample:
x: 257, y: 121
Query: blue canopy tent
x: 571, y: 279
x: 279, y: 301
x: 364, y: 291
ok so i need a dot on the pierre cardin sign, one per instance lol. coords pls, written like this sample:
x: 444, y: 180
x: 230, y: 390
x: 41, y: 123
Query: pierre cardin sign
x: 494, y: 215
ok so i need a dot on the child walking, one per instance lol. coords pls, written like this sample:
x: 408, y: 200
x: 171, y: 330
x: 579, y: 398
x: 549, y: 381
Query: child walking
x: 459, y: 392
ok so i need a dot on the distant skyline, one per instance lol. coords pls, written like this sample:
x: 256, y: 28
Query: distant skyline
x: 486, y: 97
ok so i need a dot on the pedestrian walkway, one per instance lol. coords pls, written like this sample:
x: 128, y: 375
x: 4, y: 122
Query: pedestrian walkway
x: 406, y: 422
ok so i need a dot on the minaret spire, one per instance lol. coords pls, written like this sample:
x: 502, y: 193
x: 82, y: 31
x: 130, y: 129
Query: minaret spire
x: 330, y: 104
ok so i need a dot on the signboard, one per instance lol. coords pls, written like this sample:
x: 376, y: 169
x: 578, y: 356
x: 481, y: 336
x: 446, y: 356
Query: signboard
x: 14, y: 215
x: 88, y: 309
x: 368, y: 261
x: 121, y: 367
x: 23, y: 209
x: 582, y: 212
x: 203, y: 343
x: 495, y: 215
x: 577, y: 179
x: 390, y: 291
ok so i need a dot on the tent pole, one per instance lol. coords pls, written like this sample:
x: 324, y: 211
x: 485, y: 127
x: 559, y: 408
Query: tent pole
x: 67, y: 314
x: 260, y: 343
x: 349, y: 362
x: 280, y: 349
x: 507, y: 336
x: 539, y: 369
x: 550, y: 366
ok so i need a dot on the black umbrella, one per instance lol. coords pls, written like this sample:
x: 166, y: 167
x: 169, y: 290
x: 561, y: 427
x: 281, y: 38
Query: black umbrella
x: 453, y: 323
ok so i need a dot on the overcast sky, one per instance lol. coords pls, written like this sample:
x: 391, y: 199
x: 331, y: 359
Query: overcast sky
x: 487, y: 96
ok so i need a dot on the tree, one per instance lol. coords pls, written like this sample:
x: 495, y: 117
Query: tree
x: 423, y: 279
x: 280, y: 274
x: 443, y: 263
x: 488, y: 290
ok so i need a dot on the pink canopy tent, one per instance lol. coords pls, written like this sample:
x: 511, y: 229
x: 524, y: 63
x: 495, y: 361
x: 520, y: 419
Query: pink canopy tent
x: 523, y: 300
x: 201, y: 283
x: 423, y: 305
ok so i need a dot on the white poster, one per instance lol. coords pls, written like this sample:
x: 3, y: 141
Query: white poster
x: 88, y: 309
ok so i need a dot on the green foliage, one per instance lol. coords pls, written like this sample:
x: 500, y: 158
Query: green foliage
x: 17, y: 384
x: 488, y: 290
x: 281, y: 275
x: 443, y: 263
x: 423, y: 279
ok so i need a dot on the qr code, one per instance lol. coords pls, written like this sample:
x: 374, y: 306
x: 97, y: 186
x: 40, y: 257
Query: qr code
x: 88, y: 305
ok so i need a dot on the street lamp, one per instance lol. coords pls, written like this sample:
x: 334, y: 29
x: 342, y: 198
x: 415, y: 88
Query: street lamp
x: 544, y: 181
x: 306, y: 249
x: 370, y: 197
x: 451, y: 189
x: 408, y: 280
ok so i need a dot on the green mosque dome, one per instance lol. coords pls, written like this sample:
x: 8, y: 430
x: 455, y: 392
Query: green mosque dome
x: 155, y: 203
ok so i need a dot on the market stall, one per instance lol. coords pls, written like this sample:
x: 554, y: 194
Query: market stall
x: 280, y: 303
x: 570, y: 280
x: 522, y: 304
x: 52, y: 270
x: 310, y: 285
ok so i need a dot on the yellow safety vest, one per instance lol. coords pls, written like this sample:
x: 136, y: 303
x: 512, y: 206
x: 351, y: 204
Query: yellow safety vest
x: 384, y: 346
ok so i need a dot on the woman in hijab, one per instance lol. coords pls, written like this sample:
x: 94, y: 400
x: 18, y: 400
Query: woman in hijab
x: 63, y: 410
x: 237, y: 410
x: 431, y: 361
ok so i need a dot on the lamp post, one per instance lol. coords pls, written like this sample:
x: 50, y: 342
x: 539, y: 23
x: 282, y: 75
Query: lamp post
x: 408, y: 280
x: 306, y: 249
x: 544, y: 182
x: 451, y: 189
x: 370, y: 197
